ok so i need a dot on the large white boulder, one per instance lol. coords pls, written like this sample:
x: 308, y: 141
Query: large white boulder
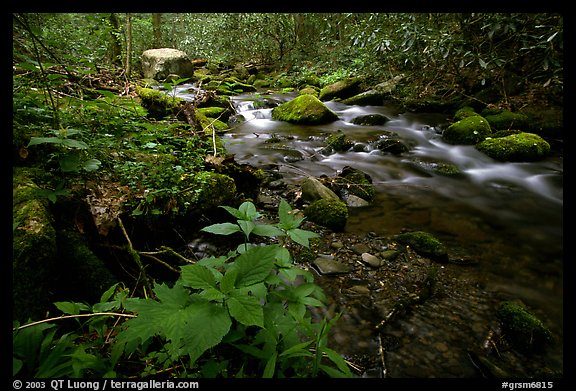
x: 159, y: 63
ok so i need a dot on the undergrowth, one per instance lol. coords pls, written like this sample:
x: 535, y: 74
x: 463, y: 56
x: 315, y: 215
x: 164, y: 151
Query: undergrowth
x: 243, y: 314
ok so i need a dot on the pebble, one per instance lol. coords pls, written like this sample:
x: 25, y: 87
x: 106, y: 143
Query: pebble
x: 371, y: 260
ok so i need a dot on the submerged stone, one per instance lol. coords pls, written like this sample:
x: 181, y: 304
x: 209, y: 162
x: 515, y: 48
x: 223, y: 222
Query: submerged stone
x: 424, y: 244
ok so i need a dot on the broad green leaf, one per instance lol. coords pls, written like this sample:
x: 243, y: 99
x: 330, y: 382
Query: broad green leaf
x: 71, y: 308
x: 197, y: 277
x: 222, y: 229
x: 254, y: 265
x: 16, y: 366
x: 248, y: 211
x: 301, y: 236
x: 205, y: 326
x: 267, y: 230
x: 227, y: 283
x: 245, y: 309
x: 288, y: 220
x: 91, y: 165
x: 246, y: 226
x: 70, y: 163
x: 233, y: 211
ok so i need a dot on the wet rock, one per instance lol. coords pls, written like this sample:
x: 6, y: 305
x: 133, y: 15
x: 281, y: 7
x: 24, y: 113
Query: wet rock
x: 371, y: 260
x: 329, y: 266
x: 313, y: 189
x: 355, y: 201
x: 361, y: 248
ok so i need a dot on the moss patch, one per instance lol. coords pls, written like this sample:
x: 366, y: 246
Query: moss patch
x: 304, y: 109
x: 424, y: 244
x: 516, y: 147
x: 329, y: 213
x: 522, y: 328
x: 468, y: 131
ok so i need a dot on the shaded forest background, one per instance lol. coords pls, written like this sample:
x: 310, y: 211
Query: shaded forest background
x: 442, y: 53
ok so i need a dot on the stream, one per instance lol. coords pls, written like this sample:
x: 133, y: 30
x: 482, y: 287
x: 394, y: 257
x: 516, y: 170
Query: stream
x: 507, y: 217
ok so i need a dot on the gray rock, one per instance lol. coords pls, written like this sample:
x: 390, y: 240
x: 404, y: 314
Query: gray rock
x: 328, y: 266
x: 158, y: 64
x: 371, y: 260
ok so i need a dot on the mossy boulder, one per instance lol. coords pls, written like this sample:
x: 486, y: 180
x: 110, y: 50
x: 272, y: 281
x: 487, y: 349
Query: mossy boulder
x: 353, y: 181
x: 424, y: 244
x: 342, y: 89
x: 339, y: 142
x: 368, y: 98
x: 507, y: 120
x: 212, y: 190
x: 468, y: 131
x: 464, y: 112
x: 304, y: 109
x: 157, y: 103
x: 313, y: 190
x: 391, y: 145
x: 329, y: 213
x: 516, y: 147
x: 522, y: 328
x: 33, y: 249
x: 370, y: 120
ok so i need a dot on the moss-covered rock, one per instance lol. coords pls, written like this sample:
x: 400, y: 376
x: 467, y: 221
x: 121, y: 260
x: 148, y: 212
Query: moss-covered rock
x: 394, y: 146
x: 368, y: 98
x: 82, y: 275
x: 517, y: 147
x: 212, y: 190
x: 370, y: 120
x: 157, y: 103
x: 309, y: 90
x: 329, y: 213
x: 464, y: 112
x: 507, y: 120
x: 522, y: 328
x: 424, y: 244
x: 313, y: 189
x: 353, y: 181
x: 339, y: 142
x: 469, y: 131
x: 304, y: 109
x: 342, y: 89
x: 33, y: 249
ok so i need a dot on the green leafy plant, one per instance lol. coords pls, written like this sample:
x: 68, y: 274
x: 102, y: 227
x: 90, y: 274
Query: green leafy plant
x: 69, y: 157
x: 248, y: 300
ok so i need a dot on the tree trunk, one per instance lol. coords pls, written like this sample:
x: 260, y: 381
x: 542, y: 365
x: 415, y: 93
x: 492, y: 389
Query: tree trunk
x: 115, y: 44
x: 157, y: 28
x: 128, y: 65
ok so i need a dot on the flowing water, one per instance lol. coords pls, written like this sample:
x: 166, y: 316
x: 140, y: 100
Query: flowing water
x: 506, y: 216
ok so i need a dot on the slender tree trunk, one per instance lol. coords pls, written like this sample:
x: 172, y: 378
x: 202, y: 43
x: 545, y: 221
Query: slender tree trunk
x: 157, y: 28
x: 128, y: 65
x: 115, y: 44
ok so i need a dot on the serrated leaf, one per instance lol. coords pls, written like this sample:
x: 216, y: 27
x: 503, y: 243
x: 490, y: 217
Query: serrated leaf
x: 254, y: 265
x: 189, y: 327
x: 222, y: 229
x: 197, y: 277
x: 245, y: 309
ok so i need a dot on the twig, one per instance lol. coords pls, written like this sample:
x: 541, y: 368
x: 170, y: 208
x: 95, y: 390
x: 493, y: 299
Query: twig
x: 74, y: 316
x: 381, y: 352
x: 135, y: 255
